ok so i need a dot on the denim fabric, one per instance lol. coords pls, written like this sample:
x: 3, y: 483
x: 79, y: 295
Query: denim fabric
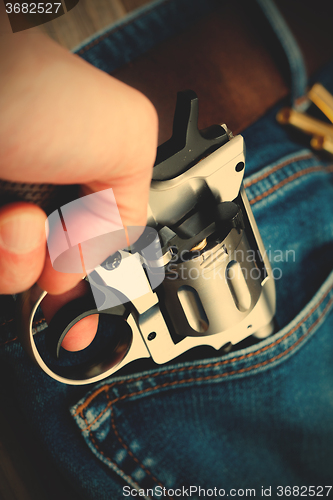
x: 161, y: 19
x: 260, y: 416
x: 140, y: 31
x: 291, y: 48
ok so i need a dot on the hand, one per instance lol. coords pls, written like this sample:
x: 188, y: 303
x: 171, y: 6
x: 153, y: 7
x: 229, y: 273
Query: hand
x: 65, y: 122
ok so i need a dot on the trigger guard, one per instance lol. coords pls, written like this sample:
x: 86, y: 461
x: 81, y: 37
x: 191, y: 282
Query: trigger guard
x: 130, y: 348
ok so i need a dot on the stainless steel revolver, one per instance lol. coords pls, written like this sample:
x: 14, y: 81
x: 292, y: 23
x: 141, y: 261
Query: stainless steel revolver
x: 201, y: 235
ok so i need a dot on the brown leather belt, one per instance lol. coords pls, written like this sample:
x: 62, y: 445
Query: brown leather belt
x: 232, y: 60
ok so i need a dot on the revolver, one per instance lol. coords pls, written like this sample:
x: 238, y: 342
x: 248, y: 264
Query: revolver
x: 201, y: 261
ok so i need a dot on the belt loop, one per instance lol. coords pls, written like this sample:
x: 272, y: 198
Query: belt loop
x: 292, y: 51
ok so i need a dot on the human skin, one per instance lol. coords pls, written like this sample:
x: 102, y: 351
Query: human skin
x: 65, y: 122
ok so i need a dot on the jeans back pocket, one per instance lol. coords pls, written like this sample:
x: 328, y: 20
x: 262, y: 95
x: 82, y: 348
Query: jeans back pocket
x: 258, y: 417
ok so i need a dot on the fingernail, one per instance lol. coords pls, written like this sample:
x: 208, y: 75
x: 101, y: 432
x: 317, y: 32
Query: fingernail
x: 22, y: 233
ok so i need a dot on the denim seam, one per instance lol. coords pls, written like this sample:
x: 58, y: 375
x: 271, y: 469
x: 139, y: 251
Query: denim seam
x: 38, y: 326
x: 8, y: 341
x: 276, y: 20
x: 177, y: 383
x: 126, y: 447
x: 284, y: 163
x: 115, y: 467
x: 107, y: 387
x: 290, y: 47
x: 118, y: 28
x: 6, y: 322
x: 212, y: 377
x: 291, y: 178
x: 6, y: 332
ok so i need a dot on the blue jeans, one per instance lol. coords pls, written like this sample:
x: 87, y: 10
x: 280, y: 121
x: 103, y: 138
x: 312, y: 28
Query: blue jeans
x: 258, y: 417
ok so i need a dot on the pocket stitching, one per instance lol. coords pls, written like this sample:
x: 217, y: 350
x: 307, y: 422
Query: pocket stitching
x: 111, y: 403
x: 287, y: 180
x: 115, y: 467
x: 107, y: 387
x: 279, y: 166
